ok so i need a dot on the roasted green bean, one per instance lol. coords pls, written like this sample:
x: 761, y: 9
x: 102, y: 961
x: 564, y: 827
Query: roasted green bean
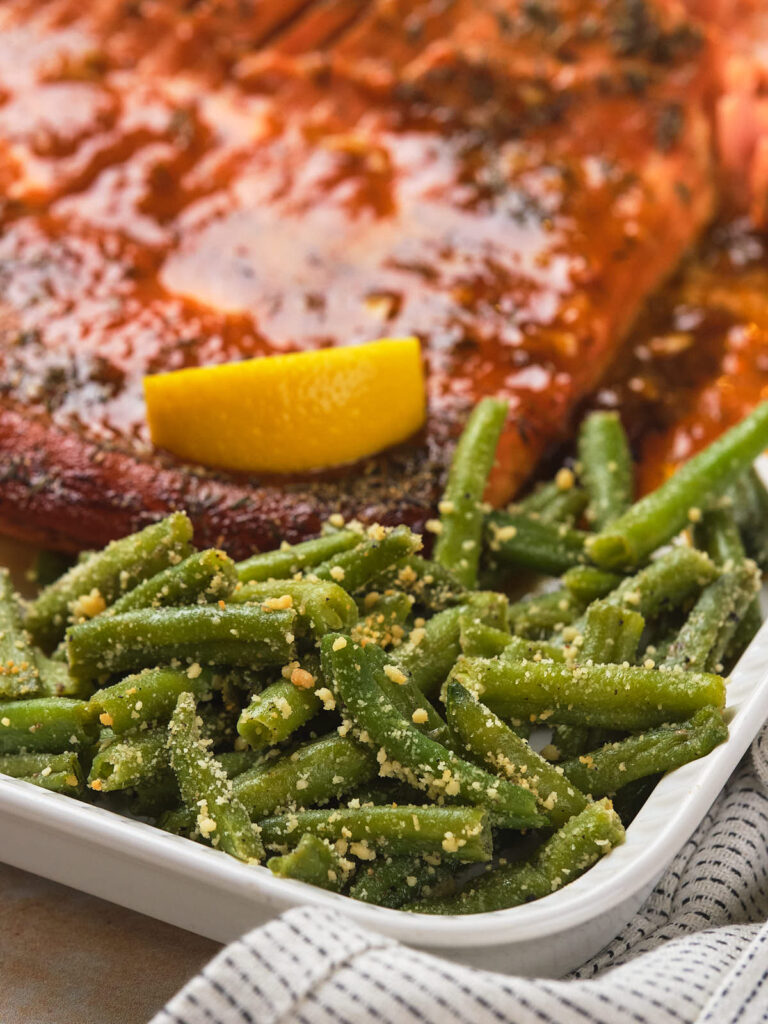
x: 461, y: 509
x: 406, y: 752
x: 488, y: 741
x: 204, y: 577
x: 606, y: 467
x: 289, y: 559
x: 656, y: 518
x: 612, y: 696
x: 575, y: 847
x: 90, y: 586
x: 312, y: 774
x: 245, y: 636
x: 19, y: 676
x: 606, y: 770
x: 527, y: 543
x: 313, y: 861
x: 51, y: 724
x: 462, y: 833
x: 205, y: 788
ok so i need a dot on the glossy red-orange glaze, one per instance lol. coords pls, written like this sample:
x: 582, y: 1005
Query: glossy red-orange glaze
x: 192, y: 183
x: 698, y: 359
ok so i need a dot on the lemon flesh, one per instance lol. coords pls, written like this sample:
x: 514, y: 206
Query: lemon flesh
x: 290, y: 413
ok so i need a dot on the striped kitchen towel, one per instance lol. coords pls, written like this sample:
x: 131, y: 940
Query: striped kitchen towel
x: 697, y: 951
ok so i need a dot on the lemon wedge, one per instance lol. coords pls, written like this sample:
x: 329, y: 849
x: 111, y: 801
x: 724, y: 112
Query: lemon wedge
x: 289, y: 413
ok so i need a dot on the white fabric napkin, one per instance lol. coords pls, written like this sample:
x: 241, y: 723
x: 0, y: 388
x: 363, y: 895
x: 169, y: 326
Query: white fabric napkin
x: 697, y: 951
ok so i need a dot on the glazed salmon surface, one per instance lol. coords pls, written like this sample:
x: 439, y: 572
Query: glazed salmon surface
x: 191, y: 183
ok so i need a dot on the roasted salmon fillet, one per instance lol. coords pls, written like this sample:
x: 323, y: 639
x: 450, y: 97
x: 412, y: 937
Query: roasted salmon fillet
x: 187, y: 183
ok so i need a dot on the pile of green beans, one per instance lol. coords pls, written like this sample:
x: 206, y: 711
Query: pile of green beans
x: 357, y: 715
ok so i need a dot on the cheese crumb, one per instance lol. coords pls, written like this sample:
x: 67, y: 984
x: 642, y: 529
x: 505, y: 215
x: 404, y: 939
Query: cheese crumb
x: 326, y: 696
x: 89, y: 605
x: 106, y: 719
x: 564, y: 479
x: 339, y: 643
x: 194, y: 670
x: 303, y: 679
x: 394, y: 674
x: 274, y: 604
x: 337, y: 573
x: 419, y: 716
x: 450, y: 843
x: 337, y: 520
x: 503, y: 533
x: 433, y: 526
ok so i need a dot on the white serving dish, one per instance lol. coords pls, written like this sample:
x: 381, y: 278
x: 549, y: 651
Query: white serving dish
x: 208, y: 892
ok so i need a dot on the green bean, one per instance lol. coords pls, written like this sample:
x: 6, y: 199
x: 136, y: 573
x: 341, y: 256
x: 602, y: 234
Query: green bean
x: 406, y: 752
x: 160, y: 798
x: 750, y: 506
x: 205, y: 788
x: 707, y: 632
x: 130, y: 761
x: 18, y: 670
x: 394, y: 605
x: 204, y: 577
x: 92, y: 585
x: 604, y: 771
x: 313, y: 861
x: 520, y: 649
x: 382, y: 548
x: 394, y: 881
x: 655, y: 519
x: 527, y: 543
x: 51, y: 724
x: 629, y: 800
x: 606, y: 467
x: 488, y: 741
x: 385, y: 619
x: 555, y: 502
x: 277, y: 712
x: 462, y: 833
x: 612, y: 696
x: 611, y: 633
x: 247, y: 636
x: 219, y: 723
x: 55, y: 680
x: 432, y: 649
x: 179, y: 821
x: 236, y: 762
x: 719, y: 536
x: 61, y: 773
x: 461, y: 509
x: 542, y: 614
x: 289, y: 559
x: 150, y: 799
x: 321, y: 607
x: 567, y: 741
x: 567, y: 854
x: 666, y: 583
x: 432, y: 585
x: 588, y: 583
x: 149, y: 697
x: 406, y: 696
x: 480, y: 640
x: 313, y: 774
x: 57, y: 782
x: 381, y: 792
